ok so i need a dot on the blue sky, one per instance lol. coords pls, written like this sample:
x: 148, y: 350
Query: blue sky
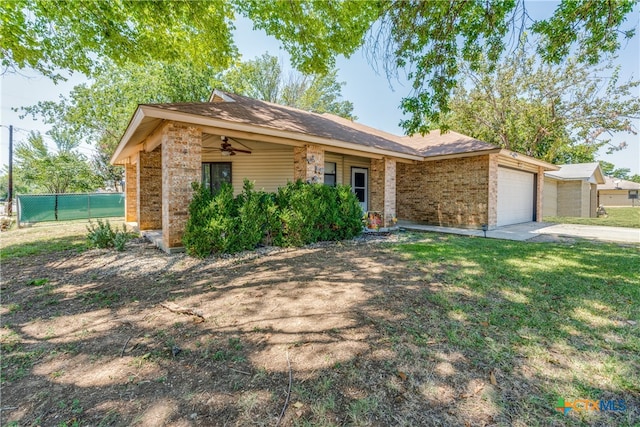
x: 375, y: 98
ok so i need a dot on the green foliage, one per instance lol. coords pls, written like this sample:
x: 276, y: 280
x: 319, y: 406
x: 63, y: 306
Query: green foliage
x: 297, y: 214
x: 427, y: 39
x: 77, y: 35
x: 316, y: 212
x: 37, y: 282
x: 120, y: 88
x: 103, y: 236
x: 609, y: 169
x: 263, y: 78
x: 39, y: 170
x: 558, y: 113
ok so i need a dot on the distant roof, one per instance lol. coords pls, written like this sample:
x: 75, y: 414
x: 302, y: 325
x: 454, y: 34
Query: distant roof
x: 582, y: 171
x: 612, y: 183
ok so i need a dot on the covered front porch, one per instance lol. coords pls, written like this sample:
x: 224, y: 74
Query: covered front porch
x: 159, y: 173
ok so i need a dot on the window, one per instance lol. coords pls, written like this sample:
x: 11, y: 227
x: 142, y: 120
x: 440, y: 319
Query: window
x: 214, y: 174
x: 330, y: 174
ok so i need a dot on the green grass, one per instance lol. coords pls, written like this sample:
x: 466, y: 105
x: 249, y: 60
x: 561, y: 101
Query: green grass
x: 20, y: 250
x: 46, y: 238
x: 617, y: 217
x: 567, y: 312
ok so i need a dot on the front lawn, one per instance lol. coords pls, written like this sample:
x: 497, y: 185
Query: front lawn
x: 617, y: 217
x: 417, y: 329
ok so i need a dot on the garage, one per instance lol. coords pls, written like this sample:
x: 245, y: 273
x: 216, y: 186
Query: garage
x: 516, y: 200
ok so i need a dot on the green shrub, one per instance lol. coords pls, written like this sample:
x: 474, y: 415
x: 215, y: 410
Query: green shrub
x: 103, y: 236
x: 296, y: 215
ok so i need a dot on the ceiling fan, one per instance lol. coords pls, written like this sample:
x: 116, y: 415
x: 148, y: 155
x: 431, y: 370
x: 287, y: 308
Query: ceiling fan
x: 226, y: 149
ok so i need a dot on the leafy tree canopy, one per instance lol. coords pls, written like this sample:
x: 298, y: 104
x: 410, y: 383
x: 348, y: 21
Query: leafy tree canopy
x: 425, y: 38
x: 98, y: 112
x: 63, y: 171
x: 263, y: 78
x: 559, y: 113
x: 609, y: 169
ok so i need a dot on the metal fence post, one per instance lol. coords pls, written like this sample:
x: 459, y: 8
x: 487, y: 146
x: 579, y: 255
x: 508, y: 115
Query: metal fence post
x: 89, y: 205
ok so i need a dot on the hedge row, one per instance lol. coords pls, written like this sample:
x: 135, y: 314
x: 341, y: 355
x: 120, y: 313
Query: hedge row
x: 295, y: 215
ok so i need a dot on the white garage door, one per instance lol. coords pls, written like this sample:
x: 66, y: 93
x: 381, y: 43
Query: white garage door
x: 515, y: 196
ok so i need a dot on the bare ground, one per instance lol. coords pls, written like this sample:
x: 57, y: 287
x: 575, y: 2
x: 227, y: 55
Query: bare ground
x: 92, y: 345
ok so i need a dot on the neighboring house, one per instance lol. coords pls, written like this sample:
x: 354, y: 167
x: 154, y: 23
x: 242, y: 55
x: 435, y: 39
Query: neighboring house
x: 618, y: 192
x: 572, y: 190
x: 449, y: 180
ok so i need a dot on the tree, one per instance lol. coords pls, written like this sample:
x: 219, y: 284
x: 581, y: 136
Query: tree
x: 77, y: 35
x: 429, y: 39
x: 559, y: 113
x: 609, y: 169
x: 263, y: 78
x: 64, y: 171
x: 425, y: 38
x: 98, y: 112
x: 635, y: 178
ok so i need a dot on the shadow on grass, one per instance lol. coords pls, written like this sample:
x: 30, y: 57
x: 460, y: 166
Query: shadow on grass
x: 446, y: 331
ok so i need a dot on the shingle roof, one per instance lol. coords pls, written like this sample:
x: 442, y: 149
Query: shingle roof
x: 577, y: 171
x: 265, y: 114
x: 261, y: 116
x: 618, y: 184
x: 440, y: 144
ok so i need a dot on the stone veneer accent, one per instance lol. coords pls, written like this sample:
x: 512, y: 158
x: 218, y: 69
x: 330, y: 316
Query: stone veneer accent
x: 182, y: 165
x: 451, y: 192
x: 131, y: 193
x: 149, y: 189
x: 383, y: 189
x: 308, y: 164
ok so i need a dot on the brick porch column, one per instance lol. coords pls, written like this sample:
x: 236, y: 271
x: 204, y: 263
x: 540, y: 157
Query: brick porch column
x: 539, y: 192
x: 149, y: 189
x: 181, y: 166
x: 383, y: 188
x: 130, y: 193
x: 308, y: 164
x: 492, y: 193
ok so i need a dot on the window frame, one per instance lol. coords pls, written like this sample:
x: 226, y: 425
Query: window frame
x: 334, y: 174
x: 210, y: 165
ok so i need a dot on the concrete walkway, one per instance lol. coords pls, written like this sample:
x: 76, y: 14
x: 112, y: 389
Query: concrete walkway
x: 529, y: 230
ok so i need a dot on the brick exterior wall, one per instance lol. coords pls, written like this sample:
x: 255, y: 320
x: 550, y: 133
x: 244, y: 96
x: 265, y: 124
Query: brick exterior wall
x: 570, y: 198
x: 539, y: 194
x: 308, y: 164
x: 149, y: 189
x: 492, y: 208
x: 383, y: 188
x: 181, y: 166
x: 452, y: 192
x: 131, y: 193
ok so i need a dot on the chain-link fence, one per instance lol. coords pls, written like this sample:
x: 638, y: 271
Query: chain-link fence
x: 63, y: 207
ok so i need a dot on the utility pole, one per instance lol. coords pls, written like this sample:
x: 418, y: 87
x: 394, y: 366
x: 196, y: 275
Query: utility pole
x: 9, y: 209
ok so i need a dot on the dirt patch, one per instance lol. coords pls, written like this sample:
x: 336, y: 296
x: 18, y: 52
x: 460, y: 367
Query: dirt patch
x: 86, y: 340
x: 96, y: 346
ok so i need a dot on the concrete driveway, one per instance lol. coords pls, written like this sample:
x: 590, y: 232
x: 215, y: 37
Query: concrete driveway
x: 591, y: 232
x: 530, y: 230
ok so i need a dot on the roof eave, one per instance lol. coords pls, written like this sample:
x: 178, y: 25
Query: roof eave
x: 529, y: 159
x: 135, y: 121
x: 151, y: 111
